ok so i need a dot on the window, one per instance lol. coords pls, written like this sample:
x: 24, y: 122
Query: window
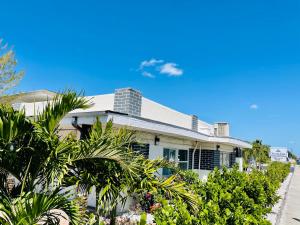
x: 225, y: 159
x: 183, y: 159
x: 177, y: 156
x: 169, y: 155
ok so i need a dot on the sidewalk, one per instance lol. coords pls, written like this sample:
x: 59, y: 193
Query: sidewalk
x: 290, y: 213
x: 273, y: 217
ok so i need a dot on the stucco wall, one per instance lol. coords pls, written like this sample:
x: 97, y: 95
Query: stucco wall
x: 100, y: 103
x: 158, y: 112
x: 155, y: 111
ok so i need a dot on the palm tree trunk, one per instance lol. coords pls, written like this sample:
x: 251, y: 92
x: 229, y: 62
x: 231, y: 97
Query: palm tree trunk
x: 113, y: 215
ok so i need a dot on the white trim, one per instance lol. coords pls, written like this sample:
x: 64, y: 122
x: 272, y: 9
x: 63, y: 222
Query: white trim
x: 147, y: 125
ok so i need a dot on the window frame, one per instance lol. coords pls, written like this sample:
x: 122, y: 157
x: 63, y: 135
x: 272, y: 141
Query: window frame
x: 177, y: 161
x: 183, y: 161
x: 222, y: 153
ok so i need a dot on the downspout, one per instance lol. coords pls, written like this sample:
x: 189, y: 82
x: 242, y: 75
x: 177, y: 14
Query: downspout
x: 200, y: 149
x: 194, y: 150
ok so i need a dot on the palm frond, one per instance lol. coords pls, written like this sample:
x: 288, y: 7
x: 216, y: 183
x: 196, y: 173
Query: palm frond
x: 58, y: 108
x: 12, y: 124
x: 171, y: 187
x: 33, y: 208
x: 108, y: 144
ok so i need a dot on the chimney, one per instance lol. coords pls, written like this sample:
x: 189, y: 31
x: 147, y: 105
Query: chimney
x: 128, y: 100
x: 194, y: 123
x: 221, y: 129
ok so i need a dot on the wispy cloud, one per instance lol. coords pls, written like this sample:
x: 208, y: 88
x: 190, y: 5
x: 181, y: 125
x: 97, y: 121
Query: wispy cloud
x: 149, y: 68
x: 150, y: 62
x: 171, y: 69
x: 254, y: 107
x: 147, y: 74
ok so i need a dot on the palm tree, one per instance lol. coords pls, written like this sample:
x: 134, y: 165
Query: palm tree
x: 32, y: 151
x: 116, y: 180
x: 38, y: 208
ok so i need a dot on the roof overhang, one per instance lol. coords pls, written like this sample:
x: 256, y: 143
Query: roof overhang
x: 152, y: 126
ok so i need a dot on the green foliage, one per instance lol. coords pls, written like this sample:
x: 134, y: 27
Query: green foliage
x: 292, y: 155
x: 8, y: 76
x: 37, y: 208
x: 143, y: 220
x: 233, y: 197
x: 173, y: 213
x: 33, y: 152
x: 228, y: 197
x: 259, y: 151
x: 277, y: 172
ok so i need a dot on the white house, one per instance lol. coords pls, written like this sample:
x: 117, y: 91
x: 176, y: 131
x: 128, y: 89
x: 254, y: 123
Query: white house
x: 161, y: 131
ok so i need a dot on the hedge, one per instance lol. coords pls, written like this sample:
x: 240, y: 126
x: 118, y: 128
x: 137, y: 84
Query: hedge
x: 228, y: 197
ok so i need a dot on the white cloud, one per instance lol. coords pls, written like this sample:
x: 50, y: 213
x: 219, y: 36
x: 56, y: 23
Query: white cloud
x: 150, y: 62
x: 147, y: 74
x: 254, y: 106
x: 171, y: 69
x: 148, y: 68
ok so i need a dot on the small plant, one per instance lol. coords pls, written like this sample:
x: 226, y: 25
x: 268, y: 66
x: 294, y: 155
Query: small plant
x: 143, y: 219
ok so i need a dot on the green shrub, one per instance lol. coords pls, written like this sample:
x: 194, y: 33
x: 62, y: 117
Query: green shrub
x: 277, y: 172
x: 229, y: 197
x: 173, y: 213
x: 234, y: 197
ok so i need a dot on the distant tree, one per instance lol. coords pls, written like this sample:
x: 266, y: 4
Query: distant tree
x: 9, y: 77
x: 292, y: 155
x: 259, y: 152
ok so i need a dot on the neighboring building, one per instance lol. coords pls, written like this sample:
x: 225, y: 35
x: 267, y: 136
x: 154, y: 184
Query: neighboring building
x: 279, y: 154
x: 161, y: 131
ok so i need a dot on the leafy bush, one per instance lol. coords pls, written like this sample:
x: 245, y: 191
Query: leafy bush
x: 229, y: 197
x: 173, y: 213
x: 277, y: 172
x: 233, y: 197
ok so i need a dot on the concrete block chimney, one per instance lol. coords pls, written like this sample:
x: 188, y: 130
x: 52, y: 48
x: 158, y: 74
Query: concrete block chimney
x: 194, y: 123
x: 128, y: 100
x: 221, y: 129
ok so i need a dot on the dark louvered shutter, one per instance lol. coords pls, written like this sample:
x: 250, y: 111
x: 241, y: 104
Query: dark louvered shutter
x: 196, y: 159
x: 232, y: 159
x: 143, y: 149
x: 216, y: 159
x: 190, y: 158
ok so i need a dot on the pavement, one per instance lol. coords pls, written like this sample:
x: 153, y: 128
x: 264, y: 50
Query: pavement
x: 274, y: 216
x: 290, y: 213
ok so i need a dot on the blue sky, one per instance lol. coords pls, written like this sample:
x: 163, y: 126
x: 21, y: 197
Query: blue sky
x: 236, y: 61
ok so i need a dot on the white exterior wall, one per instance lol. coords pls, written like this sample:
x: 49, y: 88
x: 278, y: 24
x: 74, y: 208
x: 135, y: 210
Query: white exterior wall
x: 154, y: 111
x: 32, y: 109
x: 205, y: 128
x: 100, y: 103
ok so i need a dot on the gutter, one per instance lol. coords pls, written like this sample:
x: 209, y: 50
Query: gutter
x: 135, y: 119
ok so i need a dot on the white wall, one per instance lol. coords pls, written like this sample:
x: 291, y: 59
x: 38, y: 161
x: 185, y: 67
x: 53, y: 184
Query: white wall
x: 155, y: 111
x: 32, y: 109
x: 100, y: 103
x: 205, y: 128
x: 158, y: 112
